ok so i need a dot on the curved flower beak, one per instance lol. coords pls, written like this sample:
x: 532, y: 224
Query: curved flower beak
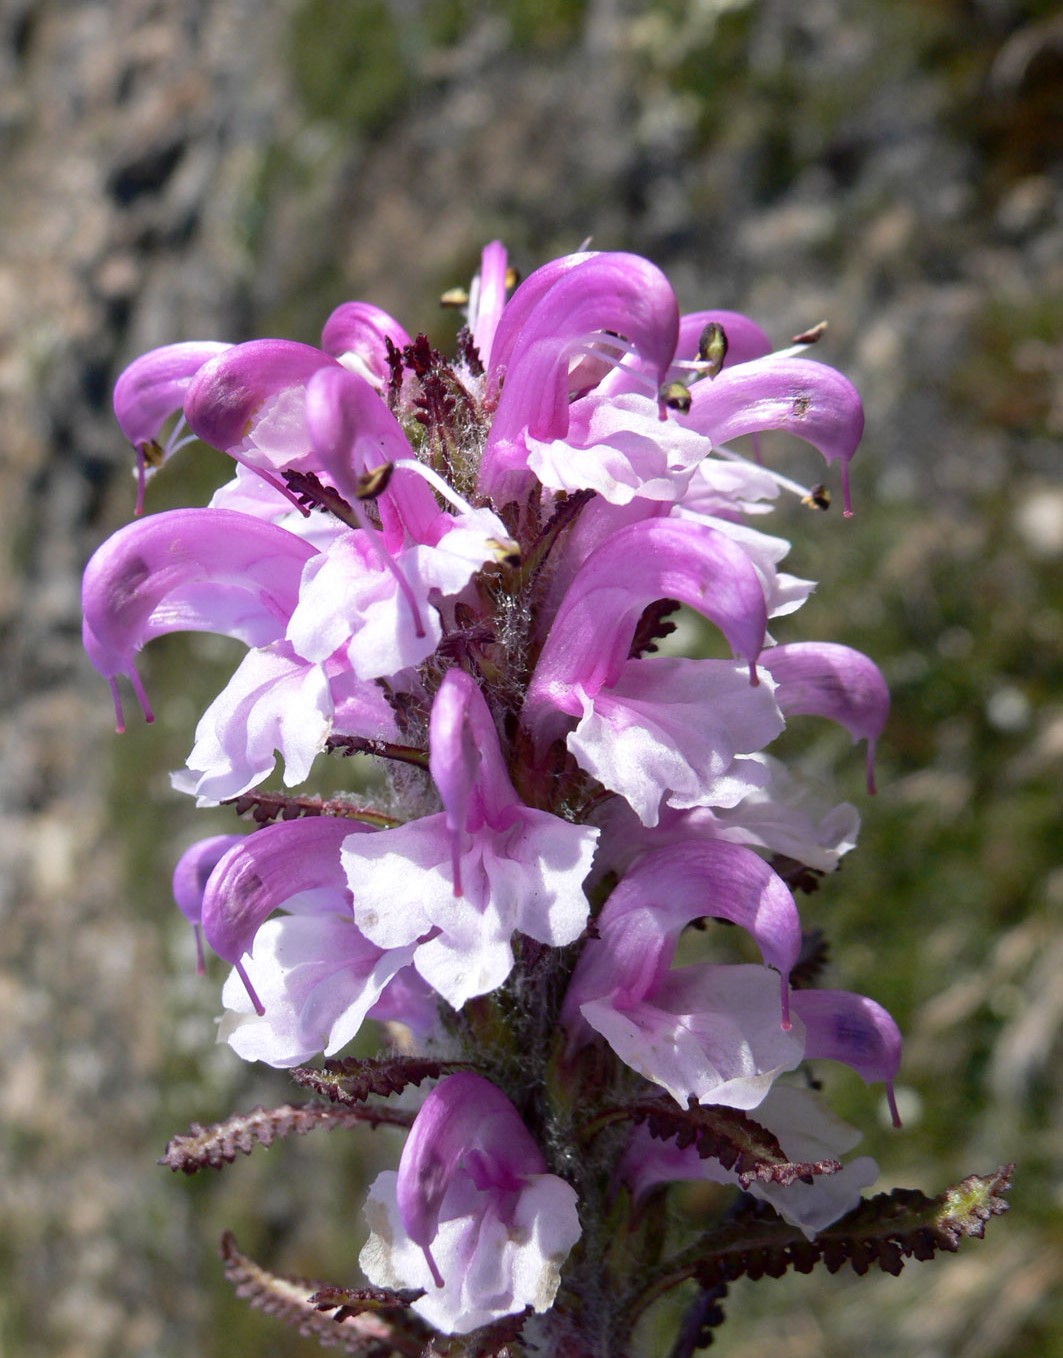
x: 357, y: 334
x: 552, y: 318
x: 152, y: 389
x: 797, y: 395
x: 823, y: 679
x: 190, y: 570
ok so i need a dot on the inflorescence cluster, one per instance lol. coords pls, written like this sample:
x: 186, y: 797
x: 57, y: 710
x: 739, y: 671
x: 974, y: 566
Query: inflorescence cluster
x: 463, y: 567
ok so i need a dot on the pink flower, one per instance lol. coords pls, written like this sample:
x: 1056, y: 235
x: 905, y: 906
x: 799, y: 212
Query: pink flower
x: 305, y: 981
x: 717, y: 1034
x: 472, y: 1215
x: 191, y: 570
x: 459, y: 883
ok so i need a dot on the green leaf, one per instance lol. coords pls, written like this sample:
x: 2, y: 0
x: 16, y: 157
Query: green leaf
x: 882, y: 1232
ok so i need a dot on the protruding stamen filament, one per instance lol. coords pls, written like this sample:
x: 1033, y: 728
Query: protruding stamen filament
x: 260, y: 1008
x: 201, y: 968
x: 598, y: 345
x: 142, y: 697
x: 119, y: 719
x: 151, y: 455
x: 808, y: 495
x: 871, y: 789
x: 455, y: 862
x: 847, y: 506
x: 436, y: 482
x: 437, y: 1277
x: 142, y: 478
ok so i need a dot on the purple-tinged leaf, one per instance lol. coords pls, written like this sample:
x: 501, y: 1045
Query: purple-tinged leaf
x: 216, y: 1145
x: 352, y: 1080
x: 883, y: 1232
x: 359, y: 1328
x: 265, y: 807
x: 737, y: 1141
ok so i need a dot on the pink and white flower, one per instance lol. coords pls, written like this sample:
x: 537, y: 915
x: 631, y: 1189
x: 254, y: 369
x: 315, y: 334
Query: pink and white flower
x: 472, y: 1216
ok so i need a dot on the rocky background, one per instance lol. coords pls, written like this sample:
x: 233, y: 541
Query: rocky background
x: 175, y: 169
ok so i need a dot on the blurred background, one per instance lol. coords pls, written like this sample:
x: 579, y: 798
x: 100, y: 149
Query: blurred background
x: 176, y: 169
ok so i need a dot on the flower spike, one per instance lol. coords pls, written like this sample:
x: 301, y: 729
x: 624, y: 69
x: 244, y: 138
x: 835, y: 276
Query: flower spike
x: 481, y: 572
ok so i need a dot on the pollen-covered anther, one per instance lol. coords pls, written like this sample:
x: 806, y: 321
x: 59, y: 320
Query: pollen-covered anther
x: 374, y: 482
x: 712, y: 348
x: 455, y: 297
x: 676, y: 396
x: 506, y: 551
x: 153, y: 453
x: 818, y: 497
